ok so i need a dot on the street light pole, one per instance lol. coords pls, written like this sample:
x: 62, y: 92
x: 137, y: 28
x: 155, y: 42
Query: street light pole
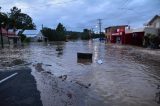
x: 100, y: 25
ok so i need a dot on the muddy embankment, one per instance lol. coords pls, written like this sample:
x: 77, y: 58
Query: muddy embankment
x: 144, y: 54
x: 58, y: 90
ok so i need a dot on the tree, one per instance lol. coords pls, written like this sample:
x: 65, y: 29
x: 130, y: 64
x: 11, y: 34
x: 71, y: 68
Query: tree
x: 23, y: 37
x: 151, y: 40
x: 61, y: 32
x: 20, y: 20
x: 86, y: 34
x: 146, y: 40
x: 60, y: 28
x: 3, y: 19
x: 57, y: 34
x: 49, y: 33
x: 73, y: 35
x: 3, y: 22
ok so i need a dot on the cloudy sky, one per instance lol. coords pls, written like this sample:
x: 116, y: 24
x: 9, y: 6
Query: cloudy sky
x: 80, y: 14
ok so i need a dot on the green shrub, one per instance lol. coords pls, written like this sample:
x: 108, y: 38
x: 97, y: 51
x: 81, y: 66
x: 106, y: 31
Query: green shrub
x: 151, y: 40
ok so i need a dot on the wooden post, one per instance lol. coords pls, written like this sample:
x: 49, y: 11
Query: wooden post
x: 1, y: 37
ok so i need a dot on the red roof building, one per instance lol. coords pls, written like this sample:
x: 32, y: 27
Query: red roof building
x: 124, y: 35
x: 8, y: 33
x: 8, y: 36
x: 114, y: 34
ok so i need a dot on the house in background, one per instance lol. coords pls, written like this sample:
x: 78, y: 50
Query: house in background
x: 35, y: 35
x: 123, y: 34
x: 154, y: 22
x: 40, y: 37
x: 153, y: 26
x: 9, y: 36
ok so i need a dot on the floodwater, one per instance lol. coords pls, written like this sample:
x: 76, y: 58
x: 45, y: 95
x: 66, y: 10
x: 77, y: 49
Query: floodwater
x: 123, y: 79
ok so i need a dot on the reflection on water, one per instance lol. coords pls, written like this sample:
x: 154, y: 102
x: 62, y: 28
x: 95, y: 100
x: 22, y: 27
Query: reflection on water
x: 124, y: 78
x: 84, y: 61
x: 59, y: 48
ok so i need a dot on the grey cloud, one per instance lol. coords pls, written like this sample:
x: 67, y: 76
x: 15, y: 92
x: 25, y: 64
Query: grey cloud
x: 79, y: 14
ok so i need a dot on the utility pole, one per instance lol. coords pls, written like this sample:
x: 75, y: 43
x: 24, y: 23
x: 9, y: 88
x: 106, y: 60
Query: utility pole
x: 100, y: 25
x: 92, y: 30
x: 42, y: 26
x: 91, y: 33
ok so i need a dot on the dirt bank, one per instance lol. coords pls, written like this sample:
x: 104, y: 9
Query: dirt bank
x: 140, y: 52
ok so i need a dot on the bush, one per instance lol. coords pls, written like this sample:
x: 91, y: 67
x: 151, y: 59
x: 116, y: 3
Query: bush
x: 73, y: 36
x: 28, y: 39
x: 152, y: 41
x: 54, y: 35
x: 22, y: 37
x: 85, y: 35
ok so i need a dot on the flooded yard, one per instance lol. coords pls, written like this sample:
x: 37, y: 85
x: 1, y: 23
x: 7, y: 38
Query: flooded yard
x: 125, y: 78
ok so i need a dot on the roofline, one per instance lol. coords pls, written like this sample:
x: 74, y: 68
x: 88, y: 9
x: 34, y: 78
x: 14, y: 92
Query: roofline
x: 117, y: 26
x: 156, y: 16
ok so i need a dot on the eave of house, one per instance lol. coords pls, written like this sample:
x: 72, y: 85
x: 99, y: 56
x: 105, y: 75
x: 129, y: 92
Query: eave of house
x: 116, y: 26
x: 152, y: 20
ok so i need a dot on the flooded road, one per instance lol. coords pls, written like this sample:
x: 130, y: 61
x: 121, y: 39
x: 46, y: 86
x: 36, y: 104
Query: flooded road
x: 123, y: 79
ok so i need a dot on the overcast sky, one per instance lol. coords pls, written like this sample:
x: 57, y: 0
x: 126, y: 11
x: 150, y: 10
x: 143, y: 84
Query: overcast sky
x: 79, y: 14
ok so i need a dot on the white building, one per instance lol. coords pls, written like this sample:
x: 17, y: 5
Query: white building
x: 153, y: 26
x: 39, y: 37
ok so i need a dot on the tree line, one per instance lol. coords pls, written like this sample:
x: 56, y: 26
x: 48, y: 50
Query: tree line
x: 57, y: 34
x: 16, y: 20
x: 61, y: 34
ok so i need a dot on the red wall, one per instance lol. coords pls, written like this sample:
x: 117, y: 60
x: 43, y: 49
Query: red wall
x: 135, y: 38
x: 127, y: 38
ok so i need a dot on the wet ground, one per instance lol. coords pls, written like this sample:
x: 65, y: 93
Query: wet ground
x: 128, y: 76
x: 19, y: 90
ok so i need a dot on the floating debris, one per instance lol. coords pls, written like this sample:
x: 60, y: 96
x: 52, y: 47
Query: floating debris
x: 48, y: 65
x: 157, y: 97
x: 69, y: 95
x: 48, y: 72
x: 38, y: 67
x: 63, y: 77
x: 99, y: 62
x: 83, y: 85
x: 84, y: 56
x: 17, y: 62
x: 59, y: 49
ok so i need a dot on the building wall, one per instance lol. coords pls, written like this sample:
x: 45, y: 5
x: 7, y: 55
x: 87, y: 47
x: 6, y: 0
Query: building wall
x: 137, y: 38
x: 156, y: 23
x: 111, y: 30
x: 151, y: 30
x: 127, y: 38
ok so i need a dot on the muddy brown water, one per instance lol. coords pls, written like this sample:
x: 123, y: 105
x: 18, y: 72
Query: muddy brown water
x: 123, y: 79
